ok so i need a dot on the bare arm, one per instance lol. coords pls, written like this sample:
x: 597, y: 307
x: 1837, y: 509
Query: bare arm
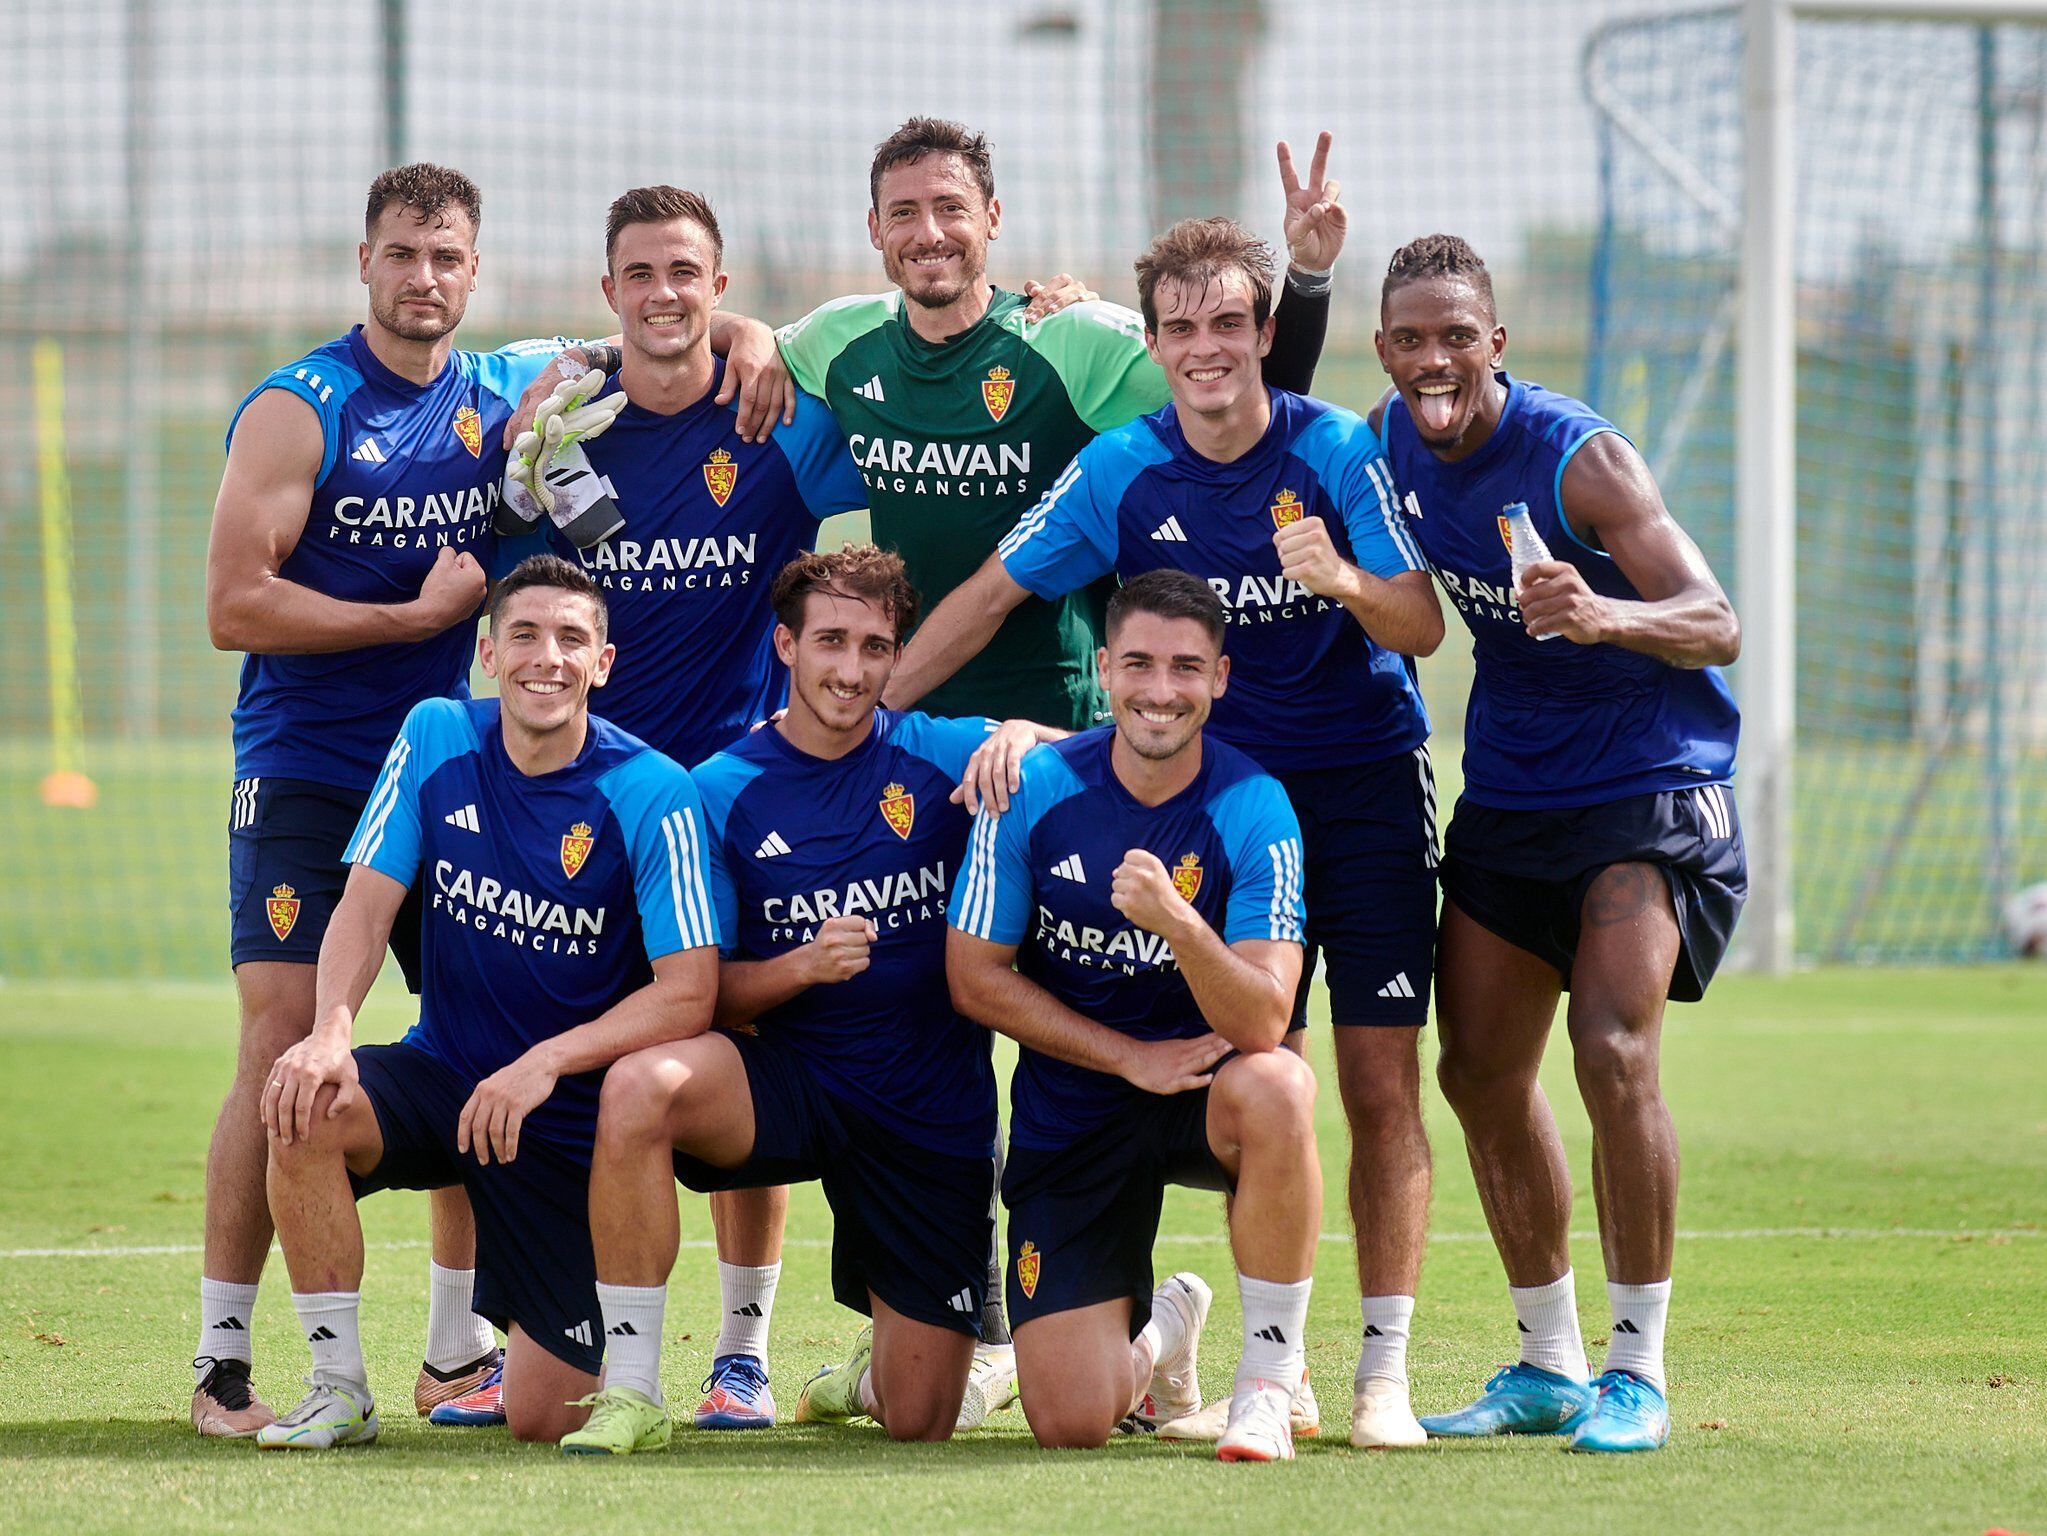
x: 749, y: 988
x: 1683, y: 619
x: 265, y: 496
x: 986, y: 987
x: 955, y: 633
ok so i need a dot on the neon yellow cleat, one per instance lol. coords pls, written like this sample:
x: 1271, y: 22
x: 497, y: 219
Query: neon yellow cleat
x: 832, y: 1396
x: 621, y: 1422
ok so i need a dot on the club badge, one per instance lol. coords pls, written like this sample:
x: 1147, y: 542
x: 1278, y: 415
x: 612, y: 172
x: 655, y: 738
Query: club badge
x: 720, y: 475
x: 1507, y: 534
x: 1187, y: 878
x: 283, y: 911
x: 1286, y: 510
x: 469, y: 427
x: 1028, y: 1263
x: 576, y: 848
x: 998, y: 391
x: 899, y: 810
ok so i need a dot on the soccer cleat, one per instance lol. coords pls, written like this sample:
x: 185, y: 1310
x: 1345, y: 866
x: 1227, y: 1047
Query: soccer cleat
x: 1259, y: 1428
x: 991, y: 1385
x: 1175, y: 1389
x: 736, y: 1395
x: 1383, y: 1419
x: 621, y: 1422
x: 1304, y: 1417
x: 832, y: 1396
x: 332, y: 1414
x: 480, y: 1409
x: 1630, y: 1415
x: 1520, y: 1400
x: 224, y: 1404
x: 437, y: 1387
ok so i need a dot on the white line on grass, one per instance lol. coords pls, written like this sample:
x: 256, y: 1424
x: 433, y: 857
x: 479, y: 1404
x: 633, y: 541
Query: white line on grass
x: 1727, y: 1235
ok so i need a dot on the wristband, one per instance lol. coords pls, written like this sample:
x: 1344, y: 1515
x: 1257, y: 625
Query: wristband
x: 605, y: 359
x: 1310, y: 285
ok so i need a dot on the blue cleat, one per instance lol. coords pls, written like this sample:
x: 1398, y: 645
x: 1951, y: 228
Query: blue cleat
x: 1520, y: 1400
x: 481, y: 1407
x: 1631, y: 1415
x: 736, y: 1395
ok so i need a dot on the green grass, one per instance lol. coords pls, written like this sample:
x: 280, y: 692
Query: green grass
x: 1859, y: 1339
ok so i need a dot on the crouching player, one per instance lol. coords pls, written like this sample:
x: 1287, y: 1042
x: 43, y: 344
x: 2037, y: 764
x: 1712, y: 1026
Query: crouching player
x: 833, y: 839
x: 568, y: 922
x: 1145, y: 884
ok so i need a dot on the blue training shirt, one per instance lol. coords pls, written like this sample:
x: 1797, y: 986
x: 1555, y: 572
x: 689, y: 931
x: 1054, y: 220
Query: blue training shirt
x: 1308, y: 687
x: 709, y: 520
x: 406, y: 470
x: 796, y: 839
x: 1550, y: 723
x: 1039, y: 877
x: 548, y: 896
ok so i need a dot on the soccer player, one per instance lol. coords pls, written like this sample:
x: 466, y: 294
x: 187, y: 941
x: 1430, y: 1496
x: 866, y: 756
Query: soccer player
x: 1595, y: 848
x: 1133, y: 921
x: 1282, y: 504
x: 833, y: 836
x: 569, y: 923
x: 350, y: 545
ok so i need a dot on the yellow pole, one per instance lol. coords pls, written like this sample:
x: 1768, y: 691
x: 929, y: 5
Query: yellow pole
x: 66, y: 784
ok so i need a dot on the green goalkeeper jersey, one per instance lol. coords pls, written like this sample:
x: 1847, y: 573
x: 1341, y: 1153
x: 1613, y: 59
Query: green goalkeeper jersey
x: 957, y: 440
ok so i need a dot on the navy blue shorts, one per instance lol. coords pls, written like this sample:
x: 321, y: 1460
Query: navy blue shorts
x: 285, y: 839
x: 911, y: 1225
x: 534, y: 1264
x: 1370, y: 836
x: 1083, y: 1217
x: 1523, y: 874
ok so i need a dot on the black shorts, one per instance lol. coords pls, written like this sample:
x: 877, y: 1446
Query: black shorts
x: 1523, y: 874
x: 285, y: 839
x: 1083, y: 1217
x: 1370, y: 836
x: 534, y: 1264
x: 911, y: 1225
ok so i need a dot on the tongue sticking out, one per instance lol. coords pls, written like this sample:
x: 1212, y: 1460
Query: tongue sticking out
x: 1436, y: 412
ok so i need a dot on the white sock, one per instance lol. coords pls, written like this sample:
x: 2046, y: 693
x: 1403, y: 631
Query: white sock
x: 1548, y: 1315
x: 1382, y: 1359
x: 455, y: 1336
x: 1275, y: 1318
x: 227, y: 1312
x: 632, y: 1336
x: 1639, y: 1313
x: 863, y: 1393
x: 332, y: 1324
x: 746, y: 1295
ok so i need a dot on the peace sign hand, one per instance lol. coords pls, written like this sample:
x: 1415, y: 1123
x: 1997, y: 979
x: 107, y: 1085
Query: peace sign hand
x: 1316, y: 222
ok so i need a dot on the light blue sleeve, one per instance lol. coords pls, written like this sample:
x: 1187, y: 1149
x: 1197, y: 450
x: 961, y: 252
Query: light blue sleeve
x: 1258, y: 827
x: 509, y: 371
x: 658, y: 808
x: 323, y: 383
x: 945, y: 744
x: 1350, y: 461
x: 826, y: 476
x: 996, y: 893
x: 719, y: 779
x: 387, y: 838
x: 1069, y: 538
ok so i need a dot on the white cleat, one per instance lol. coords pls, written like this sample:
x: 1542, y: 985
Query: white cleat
x: 991, y: 1385
x: 332, y: 1414
x: 1258, y: 1429
x: 1175, y: 1390
x: 1304, y: 1418
x: 1381, y: 1418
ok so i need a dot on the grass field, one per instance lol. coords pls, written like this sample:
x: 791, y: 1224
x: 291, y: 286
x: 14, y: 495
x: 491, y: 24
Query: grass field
x: 1859, y: 1338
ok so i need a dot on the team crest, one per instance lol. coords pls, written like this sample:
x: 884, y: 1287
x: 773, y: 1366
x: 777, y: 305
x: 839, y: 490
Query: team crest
x: 1507, y: 535
x: 576, y: 848
x: 899, y: 810
x: 1187, y: 878
x: 1286, y: 510
x: 283, y: 911
x: 720, y: 475
x: 997, y: 391
x: 1028, y: 1263
x: 469, y: 427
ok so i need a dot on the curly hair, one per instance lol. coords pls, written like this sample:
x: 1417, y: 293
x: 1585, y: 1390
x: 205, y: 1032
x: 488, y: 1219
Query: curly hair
x: 428, y: 190
x: 1439, y: 256
x: 860, y: 571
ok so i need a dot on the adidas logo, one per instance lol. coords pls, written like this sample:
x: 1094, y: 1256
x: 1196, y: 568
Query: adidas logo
x: 1624, y: 1326
x: 1069, y: 868
x: 961, y: 1301
x: 751, y: 1309
x: 231, y: 1325
x: 322, y: 1335
x: 1522, y: 1326
x: 1169, y: 532
x: 464, y: 818
x: 771, y: 847
x: 1271, y: 1335
x: 1372, y: 1331
x: 368, y: 452
x: 871, y: 390
x: 1397, y: 987
x: 580, y: 1333
x: 624, y: 1331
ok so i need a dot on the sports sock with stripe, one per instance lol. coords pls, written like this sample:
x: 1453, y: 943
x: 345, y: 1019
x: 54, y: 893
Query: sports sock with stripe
x: 1382, y: 1358
x: 332, y: 1321
x: 1639, y: 1314
x: 227, y: 1313
x: 1548, y: 1318
x: 455, y: 1336
x: 632, y: 1336
x: 1275, y: 1318
x: 746, y: 1296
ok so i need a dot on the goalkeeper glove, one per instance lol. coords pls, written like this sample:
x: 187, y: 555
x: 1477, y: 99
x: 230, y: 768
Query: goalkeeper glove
x: 563, y: 420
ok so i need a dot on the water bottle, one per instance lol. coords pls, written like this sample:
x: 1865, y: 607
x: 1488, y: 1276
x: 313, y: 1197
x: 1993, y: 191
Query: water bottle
x: 1524, y: 545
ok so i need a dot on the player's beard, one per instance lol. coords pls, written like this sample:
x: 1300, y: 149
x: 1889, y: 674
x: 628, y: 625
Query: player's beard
x: 394, y: 317
x: 973, y: 265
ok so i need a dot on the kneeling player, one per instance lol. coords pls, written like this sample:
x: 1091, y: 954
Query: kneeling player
x: 567, y: 923
x: 1146, y: 886
x: 833, y: 841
